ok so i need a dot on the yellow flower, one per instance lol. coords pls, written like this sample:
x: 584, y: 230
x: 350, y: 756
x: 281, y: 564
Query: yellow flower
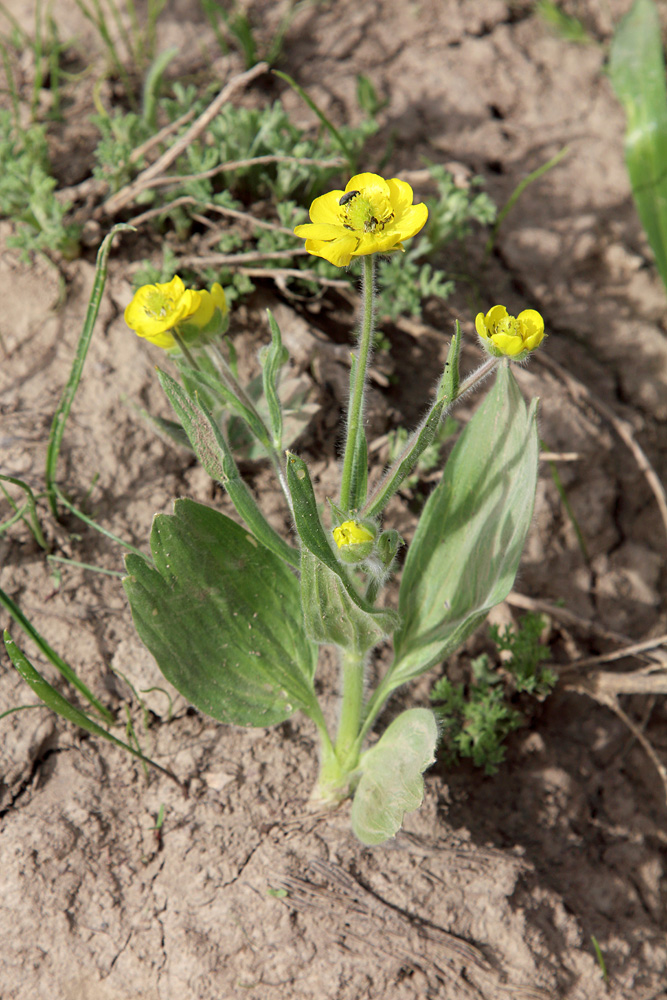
x: 157, y: 309
x: 352, y: 533
x: 371, y: 215
x: 505, y: 336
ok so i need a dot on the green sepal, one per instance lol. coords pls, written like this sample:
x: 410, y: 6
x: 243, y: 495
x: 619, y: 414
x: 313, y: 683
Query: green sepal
x: 212, y: 451
x: 221, y: 614
x: 196, y: 336
x: 448, y: 387
x: 338, y: 516
x: 391, y: 782
x: 468, y: 543
x: 333, y: 588
x: 272, y: 358
x: 387, y: 545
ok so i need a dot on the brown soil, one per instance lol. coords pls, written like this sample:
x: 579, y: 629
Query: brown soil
x: 497, y: 885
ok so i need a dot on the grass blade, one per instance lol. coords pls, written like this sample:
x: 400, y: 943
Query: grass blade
x: 331, y: 128
x: 57, y: 703
x: 51, y: 655
x: 67, y: 398
x: 29, y: 506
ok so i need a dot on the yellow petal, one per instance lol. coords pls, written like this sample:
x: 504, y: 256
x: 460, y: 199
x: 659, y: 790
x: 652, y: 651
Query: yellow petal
x: 412, y: 221
x: 326, y: 208
x: 530, y: 343
x: 337, y: 252
x: 372, y: 185
x: 400, y: 196
x: 480, y: 326
x: 531, y: 323
x: 320, y: 231
x: 511, y: 346
x: 495, y: 314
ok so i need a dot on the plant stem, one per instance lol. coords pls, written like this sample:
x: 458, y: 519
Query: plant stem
x: 356, y: 406
x: 393, y: 478
x: 352, y: 671
x: 184, y: 350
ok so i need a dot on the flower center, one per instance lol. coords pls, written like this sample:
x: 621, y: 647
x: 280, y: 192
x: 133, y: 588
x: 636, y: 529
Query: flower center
x: 509, y: 326
x: 366, y: 214
x: 157, y: 304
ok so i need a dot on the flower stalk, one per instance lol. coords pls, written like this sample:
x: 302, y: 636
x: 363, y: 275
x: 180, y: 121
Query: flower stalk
x: 355, y: 428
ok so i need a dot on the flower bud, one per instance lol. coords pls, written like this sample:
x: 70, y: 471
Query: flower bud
x: 354, y: 540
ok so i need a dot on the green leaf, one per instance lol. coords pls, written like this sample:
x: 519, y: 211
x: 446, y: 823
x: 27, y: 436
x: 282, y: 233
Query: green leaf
x: 57, y: 703
x: 57, y: 661
x: 208, y: 386
x: 637, y: 73
x: 328, y: 594
x: 468, y: 543
x: 221, y: 614
x: 212, y: 451
x: 331, y: 614
x: 391, y: 782
x: 273, y: 358
x: 449, y: 383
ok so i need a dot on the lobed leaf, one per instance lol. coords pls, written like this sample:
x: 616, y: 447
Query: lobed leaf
x: 221, y: 614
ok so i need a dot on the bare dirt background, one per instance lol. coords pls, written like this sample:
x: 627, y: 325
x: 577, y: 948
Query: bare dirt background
x: 497, y: 885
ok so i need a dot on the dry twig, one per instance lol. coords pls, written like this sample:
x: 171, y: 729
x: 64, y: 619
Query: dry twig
x: 145, y: 179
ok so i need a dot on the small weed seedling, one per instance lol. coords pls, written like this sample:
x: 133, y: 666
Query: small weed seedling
x: 475, y: 720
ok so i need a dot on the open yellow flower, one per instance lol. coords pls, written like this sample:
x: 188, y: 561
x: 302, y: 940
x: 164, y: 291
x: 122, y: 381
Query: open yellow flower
x: 506, y: 336
x: 156, y: 309
x: 371, y: 215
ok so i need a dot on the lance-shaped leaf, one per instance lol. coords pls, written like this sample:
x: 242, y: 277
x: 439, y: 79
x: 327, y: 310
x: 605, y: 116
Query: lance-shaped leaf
x: 391, y: 782
x: 328, y: 593
x: 273, y: 357
x: 466, y: 550
x: 637, y: 74
x: 221, y: 614
x: 59, y: 704
x: 209, y: 387
x: 212, y: 451
x: 420, y: 439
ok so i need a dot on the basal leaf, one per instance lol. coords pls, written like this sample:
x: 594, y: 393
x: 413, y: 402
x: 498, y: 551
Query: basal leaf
x: 391, y: 783
x: 221, y: 614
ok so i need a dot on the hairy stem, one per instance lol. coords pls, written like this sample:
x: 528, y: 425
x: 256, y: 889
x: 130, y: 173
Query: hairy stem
x: 356, y: 405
